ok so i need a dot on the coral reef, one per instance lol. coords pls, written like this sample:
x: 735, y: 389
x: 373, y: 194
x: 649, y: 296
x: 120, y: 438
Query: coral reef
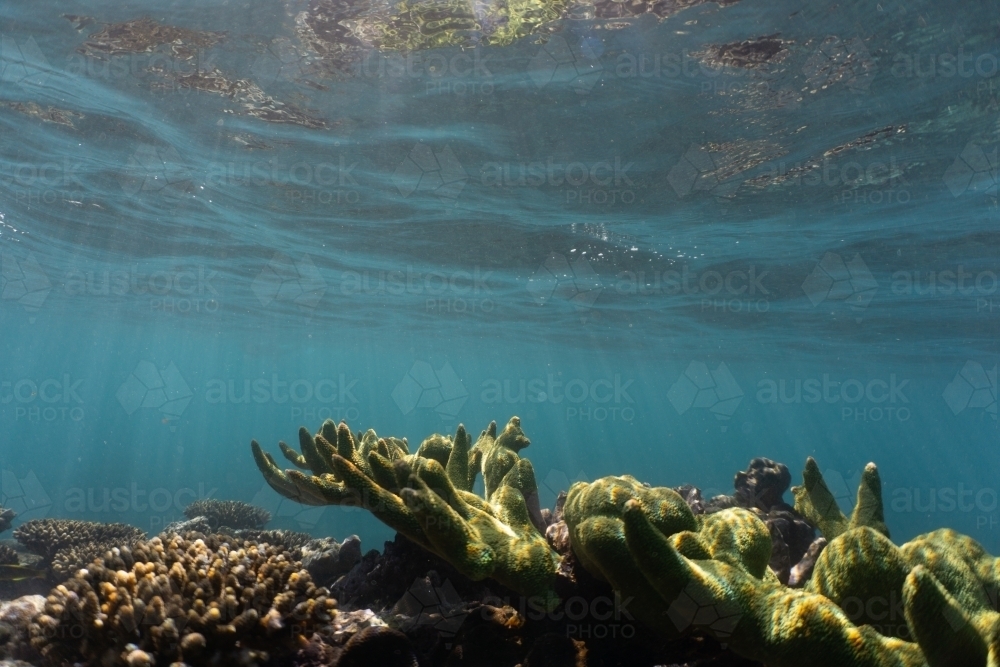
x: 428, y: 496
x: 233, y: 514
x: 197, y: 601
x: 745, y: 571
x: 712, y: 580
x: 66, y: 545
x: 8, y: 556
x: 7, y: 516
x: 761, y: 489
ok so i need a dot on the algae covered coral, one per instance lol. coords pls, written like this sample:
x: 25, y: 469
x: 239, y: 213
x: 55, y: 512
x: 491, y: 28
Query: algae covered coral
x: 703, y: 574
x: 427, y: 496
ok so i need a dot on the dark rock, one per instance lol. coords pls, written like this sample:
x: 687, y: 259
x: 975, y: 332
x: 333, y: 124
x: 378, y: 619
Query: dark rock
x: 6, y: 517
x: 557, y: 536
x: 552, y: 650
x: 719, y: 503
x: 692, y: 496
x: 384, y: 647
x: 326, y: 560
x: 763, y: 484
x: 198, y: 524
x: 802, y: 571
x: 379, y: 580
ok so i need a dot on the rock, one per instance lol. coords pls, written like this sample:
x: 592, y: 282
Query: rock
x: 802, y: 570
x: 198, y: 524
x: 692, y: 496
x: 552, y: 650
x: 326, y: 559
x: 6, y: 517
x: 557, y: 536
x: 346, y: 624
x: 762, y: 484
x: 719, y: 503
x: 18, y: 613
x: 378, y: 646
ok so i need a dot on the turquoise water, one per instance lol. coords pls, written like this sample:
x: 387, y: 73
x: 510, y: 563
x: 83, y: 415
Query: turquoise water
x: 666, y: 256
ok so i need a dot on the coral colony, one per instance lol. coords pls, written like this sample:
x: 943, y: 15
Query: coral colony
x: 617, y: 571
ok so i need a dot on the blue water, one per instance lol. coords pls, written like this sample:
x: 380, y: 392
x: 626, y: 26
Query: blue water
x: 665, y: 266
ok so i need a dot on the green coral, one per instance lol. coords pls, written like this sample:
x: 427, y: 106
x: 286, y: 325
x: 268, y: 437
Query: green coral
x: 712, y: 578
x: 428, y: 496
x: 816, y: 503
x: 705, y: 574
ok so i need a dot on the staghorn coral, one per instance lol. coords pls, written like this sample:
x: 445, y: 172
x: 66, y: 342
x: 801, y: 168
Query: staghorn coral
x: 713, y: 581
x: 233, y: 514
x: 66, y: 545
x: 200, y: 601
x: 428, y: 496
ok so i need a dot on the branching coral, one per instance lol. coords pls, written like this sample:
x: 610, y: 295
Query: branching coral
x: 216, y: 600
x: 713, y: 579
x: 428, y: 496
x: 66, y: 545
x: 685, y: 573
x: 229, y: 513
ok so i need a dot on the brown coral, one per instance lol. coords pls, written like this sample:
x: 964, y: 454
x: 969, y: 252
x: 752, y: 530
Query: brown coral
x: 230, y: 513
x: 183, y: 600
x: 66, y: 545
